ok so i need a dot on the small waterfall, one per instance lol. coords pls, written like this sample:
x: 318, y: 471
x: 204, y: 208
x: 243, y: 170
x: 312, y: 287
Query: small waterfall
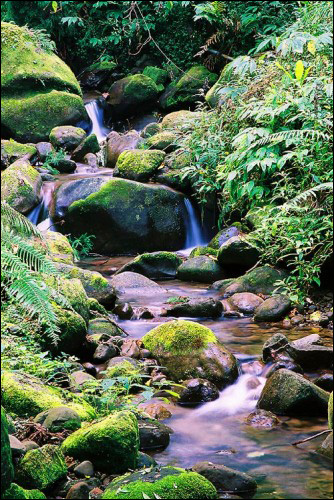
x: 40, y: 214
x: 195, y: 235
x: 96, y: 115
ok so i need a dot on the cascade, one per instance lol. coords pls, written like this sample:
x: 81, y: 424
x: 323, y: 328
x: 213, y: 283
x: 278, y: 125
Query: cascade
x: 195, y: 236
x: 96, y: 114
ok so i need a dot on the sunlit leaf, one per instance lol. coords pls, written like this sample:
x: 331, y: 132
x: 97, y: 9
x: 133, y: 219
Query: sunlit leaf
x: 299, y: 70
x: 311, y: 47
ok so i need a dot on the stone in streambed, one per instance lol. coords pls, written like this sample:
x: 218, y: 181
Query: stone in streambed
x: 72, y: 332
x: 67, y: 137
x: 12, y: 151
x: 163, y: 141
x: 153, y: 435
x: 238, y: 252
x: 262, y: 419
x: 118, y: 443
x: 326, y: 448
x: 161, y: 482
x: 278, y: 343
x: 127, y: 216
x: 104, y: 352
x: 58, y: 247
x: 289, y: 393
x: 204, y: 269
x: 245, y: 303
x: 59, y: 419
x: 117, y: 143
x: 223, y: 236
x: 101, y: 326
x: 226, y: 479
x: 134, y: 283
x: 44, y: 149
x: 138, y: 164
x: 84, y: 469
x: 155, y: 265
x: 21, y: 186
x: 273, y: 309
x: 310, y: 354
x: 325, y: 382
x: 190, y: 350
x: 17, y: 448
x: 131, y: 92
x: 196, y: 308
x: 198, y: 391
x: 262, y: 280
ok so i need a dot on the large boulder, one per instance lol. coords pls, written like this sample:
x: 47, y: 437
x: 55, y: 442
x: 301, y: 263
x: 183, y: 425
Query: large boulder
x: 129, y: 217
x: 138, y: 164
x: 262, y: 280
x: 21, y: 186
x: 203, y: 269
x: 273, y: 309
x: 310, y: 353
x: 67, y: 137
x: 72, y: 333
x: 41, y: 468
x: 245, y: 303
x: 12, y: 151
x: 7, y: 471
x: 111, y: 444
x: 163, y: 141
x: 186, y: 91
x: 73, y: 290
x: 117, y: 143
x: 158, y: 75
x: 89, y: 145
x: 131, y: 92
x: 238, y: 252
x: 133, y: 283
x: 165, y: 482
x: 58, y: 247
x: 155, y: 265
x: 289, y: 393
x: 190, y: 350
x: 180, y: 120
x: 39, y: 91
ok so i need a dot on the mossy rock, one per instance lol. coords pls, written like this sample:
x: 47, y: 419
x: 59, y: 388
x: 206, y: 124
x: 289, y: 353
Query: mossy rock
x: 190, y: 350
x: 224, y: 235
x: 174, y: 179
x: 202, y: 269
x: 151, y: 129
x: 19, y: 493
x: 330, y: 412
x: 21, y: 186
x: 59, y: 247
x: 273, y: 309
x: 155, y: 265
x: 164, y: 141
x: 199, y: 251
x: 165, y: 482
x: 96, y: 286
x: 89, y: 145
x: 262, y: 280
x: 123, y: 369
x: 180, y: 120
x: 72, y: 333
x: 178, y: 160
x: 101, y: 326
x: 111, y: 445
x: 239, y: 253
x: 138, y: 164
x: 289, y: 393
x: 256, y: 216
x: 26, y: 396
x: 326, y: 448
x: 59, y: 419
x: 12, y: 151
x: 132, y: 92
x: 7, y: 470
x: 67, y: 137
x: 130, y: 217
x: 185, y: 92
x: 41, y: 468
x: 39, y: 91
x: 73, y: 291
x: 158, y: 75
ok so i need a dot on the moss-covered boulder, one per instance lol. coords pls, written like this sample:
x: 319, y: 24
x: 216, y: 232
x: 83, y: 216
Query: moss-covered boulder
x: 26, y: 396
x: 73, y: 291
x: 41, y: 468
x: 199, y: 251
x: 117, y: 143
x: 164, y: 141
x: 180, y: 120
x: 7, y: 470
x: 158, y: 75
x: 59, y: 247
x: 59, y: 419
x: 186, y: 91
x: 190, y: 350
x: 122, y: 368
x: 238, y: 253
x: 155, y: 265
x: 223, y: 236
x: 67, y: 137
x: 273, y: 309
x: 166, y: 482
x: 72, y: 333
x: 138, y: 164
x: 178, y: 160
x: 203, y: 269
x: 111, y: 445
x: 330, y: 412
x: 98, y: 75
x: 289, y: 393
x: 104, y: 327
x: 39, y: 91
x: 262, y: 280
x: 89, y: 145
x: 95, y: 285
x: 151, y: 129
x: 12, y: 151
x: 130, y: 217
x: 131, y: 92
x: 174, y: 179
x: 20, y: 493
x: 21, y: 186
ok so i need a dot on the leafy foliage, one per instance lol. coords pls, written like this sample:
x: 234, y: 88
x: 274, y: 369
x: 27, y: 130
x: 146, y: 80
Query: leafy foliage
x: 82, y: 245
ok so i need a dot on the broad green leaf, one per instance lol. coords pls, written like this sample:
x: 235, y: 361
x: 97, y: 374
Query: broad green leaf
x: 299, y: 70
x: 54, y: 6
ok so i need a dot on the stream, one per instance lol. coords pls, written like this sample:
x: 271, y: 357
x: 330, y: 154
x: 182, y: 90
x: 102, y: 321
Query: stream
x: 217, y: 431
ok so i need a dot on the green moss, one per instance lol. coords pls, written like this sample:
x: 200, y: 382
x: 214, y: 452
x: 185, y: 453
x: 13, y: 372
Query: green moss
x: 59, y: 247
x: 166, y: 482
x: 139, y: 164
x: 140, y: 86
x: 7, y: 471
x: 20, y: 186
x: 41, y: 468
x: 198, y: 251
x: 151, y: 129
x: 100, y: 326
x: 165, y: 141
x: 102, y: 66
x: 158, y: 75
x: 19, y: 493
x: 12, y: 151
x: 111, y: 444
x: 179, y: 337
x: 330, y: 412
x: 124, y: 369
x: 73, y: 331
x: 95, y: 306
x: 202, y: 269
x: 182, y: 119
x: 26, y: 396
x: 89, y: 145
x: 74, y: 292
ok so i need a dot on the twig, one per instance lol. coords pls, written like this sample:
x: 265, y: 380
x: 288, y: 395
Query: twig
x: 312, y: 437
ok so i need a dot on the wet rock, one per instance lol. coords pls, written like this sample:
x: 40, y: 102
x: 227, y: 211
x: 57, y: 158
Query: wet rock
x: 238, y: 252
x: 204, y: 269
x: 123, y: 310
x: 59, y: 247
x: 12, y: 151
x: 145, y: 461
x: 17, y: 448
x: 131, y: 349
x: 89, y: 145
x: 59, y: 419
x: 66, y: 137
x: 284, y: 361
x: 246, y: 302
x: 261, y: 280
x: 44, y: 149
x: 262, y: 419
x: 273, y: 309
x: 104, y: 352
x: 134, y: 283
x: 196, y: 308
x: 91, y: 160
x: 198, y: 391
x: 155, y: 265
x: 144, y: 313
x: 138, y: 164
x: 21, y: 186
x: 30, y: 445
x: 153, y: 435
x: 132, y: 92
x: 84, y: 469
x: 278, y: 343
x: 326, y: 448
x: 79, y: 491
x: 156, y: 410
x: 101, y: 326
x: 325, y: 382
x: 309, y: 354
x: 289, y: 393
x: 297, y: 320
x: 226, y: 479
x: 117, y: 143
x: 223, y: 236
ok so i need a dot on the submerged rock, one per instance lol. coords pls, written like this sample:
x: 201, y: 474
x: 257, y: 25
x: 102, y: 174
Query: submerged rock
x: 138, y: 164
x: 128, y: 217
x: 155, y: 265
x: 161, y: 482
x: 204, y: 269
x: 39, y: 91
x: 262, y: 419
x: 190, y: 350
x: 21, y: 186
x: 289, y: 393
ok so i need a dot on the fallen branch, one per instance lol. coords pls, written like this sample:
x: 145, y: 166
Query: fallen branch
x: 312, y: 437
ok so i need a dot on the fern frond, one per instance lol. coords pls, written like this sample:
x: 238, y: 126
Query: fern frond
x: 289, y: 135
x: 324, y: 188
x: 18, y: 222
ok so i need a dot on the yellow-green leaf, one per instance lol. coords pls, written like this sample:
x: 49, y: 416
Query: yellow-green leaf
x: 311, y: 47
x: 54, y: 6
x: 299, y: 70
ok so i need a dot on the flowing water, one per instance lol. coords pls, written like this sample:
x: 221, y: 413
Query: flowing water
x: 96, y: 114
x: 195, y: 233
